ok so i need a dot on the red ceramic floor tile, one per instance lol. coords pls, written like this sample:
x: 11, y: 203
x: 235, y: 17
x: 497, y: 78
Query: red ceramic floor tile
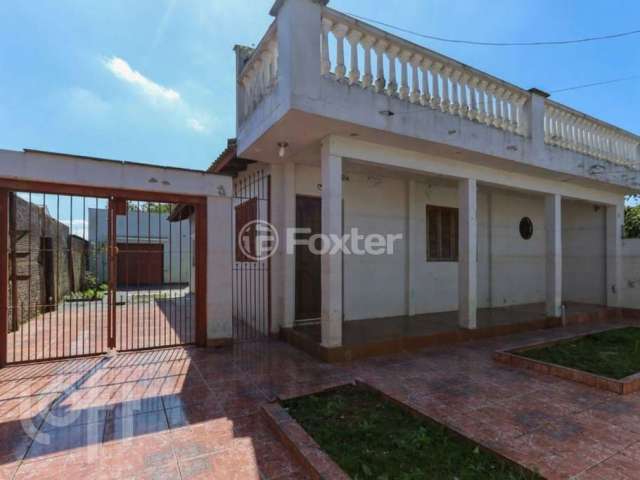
x: 129, y: 457
x: 132, y: 426
x: 65, y: 440
x: 232, y: 464
x: 194, y: 413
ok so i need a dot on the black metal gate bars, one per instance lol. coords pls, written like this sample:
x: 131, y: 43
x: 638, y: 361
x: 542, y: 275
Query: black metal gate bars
x: 88, y: 274
x: 251, y: 275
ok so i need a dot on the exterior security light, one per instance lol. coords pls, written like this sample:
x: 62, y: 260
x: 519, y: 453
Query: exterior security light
x: 282, y: 148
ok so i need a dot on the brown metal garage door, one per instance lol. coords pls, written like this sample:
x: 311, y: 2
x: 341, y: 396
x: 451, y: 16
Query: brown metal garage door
x: 140, y: 264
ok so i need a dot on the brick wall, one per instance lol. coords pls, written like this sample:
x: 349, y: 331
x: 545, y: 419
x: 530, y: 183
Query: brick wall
x: 46, y: 268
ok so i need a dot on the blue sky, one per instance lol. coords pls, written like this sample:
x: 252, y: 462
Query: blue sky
x: 153, y: 80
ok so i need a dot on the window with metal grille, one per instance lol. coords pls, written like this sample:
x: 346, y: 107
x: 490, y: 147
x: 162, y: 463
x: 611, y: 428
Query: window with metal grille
x: 246, y: 213
x: 442, y: 234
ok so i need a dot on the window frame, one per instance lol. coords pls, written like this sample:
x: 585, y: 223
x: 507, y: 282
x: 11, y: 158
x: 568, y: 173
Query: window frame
x: 453, y: 214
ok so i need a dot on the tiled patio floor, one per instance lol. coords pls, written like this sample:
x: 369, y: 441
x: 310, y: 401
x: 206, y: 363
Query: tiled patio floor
x: 81, y: 328
x: 189, y: 413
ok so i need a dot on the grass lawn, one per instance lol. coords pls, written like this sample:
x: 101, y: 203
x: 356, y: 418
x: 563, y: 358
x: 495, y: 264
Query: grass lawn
x: 371, y: 437
x: 614, y: 353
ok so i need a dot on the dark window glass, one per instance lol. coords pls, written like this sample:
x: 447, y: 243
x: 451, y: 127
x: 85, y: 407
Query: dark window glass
x: 442, y: 234
x: 526, y: 228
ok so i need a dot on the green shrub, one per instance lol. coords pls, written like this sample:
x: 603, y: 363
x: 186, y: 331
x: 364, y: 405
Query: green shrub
x: 632, y: 222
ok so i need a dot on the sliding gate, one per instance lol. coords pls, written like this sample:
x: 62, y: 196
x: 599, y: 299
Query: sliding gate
x: 88, y: 274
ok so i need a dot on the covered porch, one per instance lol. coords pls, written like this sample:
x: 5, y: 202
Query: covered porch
x: 380, y: 336
x: 519, y: 252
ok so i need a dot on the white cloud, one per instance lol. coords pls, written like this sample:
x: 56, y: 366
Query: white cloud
x: 122, y: 70
x: 83, y: 101
x: 196, y: 125
x: 169, y: 100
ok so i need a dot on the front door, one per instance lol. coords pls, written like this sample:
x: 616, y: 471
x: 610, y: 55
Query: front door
x: 308, y: 290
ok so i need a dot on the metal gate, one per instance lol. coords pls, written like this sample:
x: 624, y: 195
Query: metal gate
x: 251, y: 275
x: 87, y: 274
x: 153, y: 275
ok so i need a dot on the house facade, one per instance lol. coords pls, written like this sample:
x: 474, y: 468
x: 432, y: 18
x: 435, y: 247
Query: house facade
x: 466, y: 206
x: 500, y: 196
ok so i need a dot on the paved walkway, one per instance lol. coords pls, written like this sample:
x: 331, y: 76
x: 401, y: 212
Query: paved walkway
x: 189, y: 413
x: 80, y: 328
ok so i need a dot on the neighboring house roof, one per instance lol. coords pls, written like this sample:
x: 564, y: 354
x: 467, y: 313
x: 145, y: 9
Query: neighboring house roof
x: 228, y: 163
x: 180, y: 212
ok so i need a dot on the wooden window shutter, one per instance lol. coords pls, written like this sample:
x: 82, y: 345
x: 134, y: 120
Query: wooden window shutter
x: 433, y: 245
x: 446, y: 233
x: 454, y: 234
x: 442, y: 234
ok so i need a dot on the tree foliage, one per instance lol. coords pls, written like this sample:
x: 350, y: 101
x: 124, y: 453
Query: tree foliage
x: 632, y: 221
x: 150, y: 207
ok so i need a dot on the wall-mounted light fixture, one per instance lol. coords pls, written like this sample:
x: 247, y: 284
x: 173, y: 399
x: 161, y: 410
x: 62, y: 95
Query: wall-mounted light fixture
x: 282, y: 149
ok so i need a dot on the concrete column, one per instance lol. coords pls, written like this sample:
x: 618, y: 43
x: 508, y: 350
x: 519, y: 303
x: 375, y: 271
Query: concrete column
x: 331, y: 281
x: 278, y: 259
x: 615, y: 219
x: 553, y: 228
x: 412, y: 254
x: 467, y: 253
x: 289, y: 260
x: 219, y: 266
x: 534, y: 118
x: 299, y: 36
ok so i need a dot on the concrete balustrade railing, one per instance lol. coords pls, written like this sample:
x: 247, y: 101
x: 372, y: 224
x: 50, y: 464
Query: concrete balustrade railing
x: 309, y: 45
x: 415, y: 74
x: 567, y: 128
x: 259, y: 75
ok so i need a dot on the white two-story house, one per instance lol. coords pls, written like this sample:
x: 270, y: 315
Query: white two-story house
x: 509, y: 204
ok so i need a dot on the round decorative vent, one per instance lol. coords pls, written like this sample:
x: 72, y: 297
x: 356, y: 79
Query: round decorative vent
x: 526, y: 228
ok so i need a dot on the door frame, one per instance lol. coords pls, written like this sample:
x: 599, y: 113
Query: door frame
x: 199, y: 204
x: 342, y: 261
x: 295, y: 296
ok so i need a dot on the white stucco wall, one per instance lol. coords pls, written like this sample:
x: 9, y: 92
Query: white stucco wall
x: 511, y: 270
x: 631, y: 272
x: 436, y: 282
x: 375, y: 286
x: 517, y: 266
x: 583, y: 257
